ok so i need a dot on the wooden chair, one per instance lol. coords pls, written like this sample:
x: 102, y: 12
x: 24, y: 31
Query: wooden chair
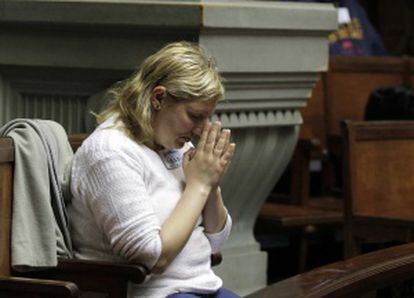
x: 70, y: 277
x: 94, y: 276
x: 15, y: 287
x: 378, y: 184
x: 350, y: 278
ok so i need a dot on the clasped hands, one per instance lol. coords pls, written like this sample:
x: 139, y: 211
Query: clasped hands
x: 207, y: 163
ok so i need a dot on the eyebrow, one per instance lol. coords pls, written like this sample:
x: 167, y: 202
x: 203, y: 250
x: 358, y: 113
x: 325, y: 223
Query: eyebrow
x: 192, y: 110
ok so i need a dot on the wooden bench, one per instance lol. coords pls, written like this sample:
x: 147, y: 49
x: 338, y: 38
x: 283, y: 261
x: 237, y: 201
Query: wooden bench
x: 350, y: 81
x: 299, y: 223
x: 350, y: 278
x: 342, y: 93
x: 378, y: 185
x: 348, y: 84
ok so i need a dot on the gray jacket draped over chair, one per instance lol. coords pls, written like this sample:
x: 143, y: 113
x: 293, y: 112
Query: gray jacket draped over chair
x: 40, y: 227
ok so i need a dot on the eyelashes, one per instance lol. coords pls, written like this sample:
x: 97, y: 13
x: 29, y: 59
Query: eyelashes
x: 196, y: 117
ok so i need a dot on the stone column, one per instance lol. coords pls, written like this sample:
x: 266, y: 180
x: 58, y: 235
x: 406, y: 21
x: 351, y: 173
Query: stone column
x: 55, y: 54
x: 270, y: 55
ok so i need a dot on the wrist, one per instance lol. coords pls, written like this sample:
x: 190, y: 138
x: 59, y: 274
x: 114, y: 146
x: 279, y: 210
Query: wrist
x: 215, y: 192
x: 202, y: 188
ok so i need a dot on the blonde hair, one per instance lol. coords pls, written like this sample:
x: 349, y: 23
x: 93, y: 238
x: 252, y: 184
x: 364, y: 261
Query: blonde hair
x: 185, y: 71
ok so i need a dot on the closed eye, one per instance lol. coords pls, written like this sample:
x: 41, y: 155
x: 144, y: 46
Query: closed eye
x: 196, y: 117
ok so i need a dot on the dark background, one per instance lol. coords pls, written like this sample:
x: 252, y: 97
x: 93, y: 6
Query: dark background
x: 394, y: 21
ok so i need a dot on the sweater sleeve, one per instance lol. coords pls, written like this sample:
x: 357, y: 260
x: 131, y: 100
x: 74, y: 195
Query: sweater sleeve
x: 217, y: 239
x: 122, y: 208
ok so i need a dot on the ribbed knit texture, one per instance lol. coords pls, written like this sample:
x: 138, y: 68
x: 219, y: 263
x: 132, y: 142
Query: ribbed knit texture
x: 122, y: 193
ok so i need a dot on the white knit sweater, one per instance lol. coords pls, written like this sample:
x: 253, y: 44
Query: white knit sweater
x: 122, y: 193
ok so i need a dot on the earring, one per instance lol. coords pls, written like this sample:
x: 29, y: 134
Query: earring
x: 157, y: 107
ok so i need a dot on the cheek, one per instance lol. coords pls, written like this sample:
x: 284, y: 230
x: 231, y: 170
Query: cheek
x: 184, y: 124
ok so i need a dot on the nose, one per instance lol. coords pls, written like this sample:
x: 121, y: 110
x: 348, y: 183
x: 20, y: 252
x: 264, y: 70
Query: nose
x: 199, y: 127
x: 197, y: 130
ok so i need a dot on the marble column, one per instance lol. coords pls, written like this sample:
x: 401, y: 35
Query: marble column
x: 270, y: 55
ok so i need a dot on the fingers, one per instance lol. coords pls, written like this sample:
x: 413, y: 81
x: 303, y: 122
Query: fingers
x: 203, y: 138
x: 228, y: 154
x: 210, y: 161
x: 216, y: 141
x: 227, y: 157
x: 222, y: 143
x: 212, y: 137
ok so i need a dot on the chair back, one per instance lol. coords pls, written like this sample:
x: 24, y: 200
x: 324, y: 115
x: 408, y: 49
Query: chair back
x: 379, y: 169
x: 351, y: 80
x: 6, y: 196
x: 6, y: 190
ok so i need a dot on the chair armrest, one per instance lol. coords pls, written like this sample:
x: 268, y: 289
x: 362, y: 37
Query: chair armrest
x: 98, y: 276
x: 131, y: 272
x: 348, y: 278
x: 93, y: 268
x: 94, y: 276
x: 28, y: 287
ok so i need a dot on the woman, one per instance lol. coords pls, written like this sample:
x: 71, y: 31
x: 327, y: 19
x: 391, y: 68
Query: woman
x: 142, y: 192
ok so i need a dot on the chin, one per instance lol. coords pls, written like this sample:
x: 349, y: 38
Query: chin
x: 171, y: 144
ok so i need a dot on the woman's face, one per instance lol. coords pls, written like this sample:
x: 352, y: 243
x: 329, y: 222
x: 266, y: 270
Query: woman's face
x: 177, y: 122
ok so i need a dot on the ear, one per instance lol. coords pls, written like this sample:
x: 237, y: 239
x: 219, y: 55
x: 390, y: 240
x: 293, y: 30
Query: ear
x: 158, y: 96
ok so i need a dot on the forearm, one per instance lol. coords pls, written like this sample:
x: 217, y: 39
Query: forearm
x: 203, y: 168
x: 177, y: 229
x: 214, y: 212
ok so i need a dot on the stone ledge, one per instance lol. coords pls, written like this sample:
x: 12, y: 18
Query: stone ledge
x: 259, y: 118
x: 269, y: 16
x: 256, y: 15
x: 106, y: 13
